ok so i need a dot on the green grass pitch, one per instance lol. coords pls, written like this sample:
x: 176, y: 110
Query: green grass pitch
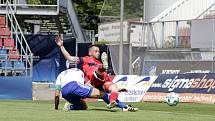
x: 44, y: 111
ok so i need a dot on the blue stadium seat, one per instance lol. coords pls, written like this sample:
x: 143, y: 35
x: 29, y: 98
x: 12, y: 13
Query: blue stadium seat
x: 19, y: 66
x: 6, y: 65
x: 3, y: 54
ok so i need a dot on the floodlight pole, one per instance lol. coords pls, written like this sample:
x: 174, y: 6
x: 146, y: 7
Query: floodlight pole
x: 121, y: 37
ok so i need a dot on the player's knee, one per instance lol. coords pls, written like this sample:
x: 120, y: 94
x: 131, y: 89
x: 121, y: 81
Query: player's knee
x: 95, y: 92
x: 110, y: 87
x: 114, y: 88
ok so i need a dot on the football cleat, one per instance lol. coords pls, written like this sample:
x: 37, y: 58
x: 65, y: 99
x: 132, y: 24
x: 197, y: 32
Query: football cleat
x: 111, y: 104
x: 129, y: 108
x: 66, y: 106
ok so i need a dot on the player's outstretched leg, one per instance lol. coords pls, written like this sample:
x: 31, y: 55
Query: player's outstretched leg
x: 120, y: 104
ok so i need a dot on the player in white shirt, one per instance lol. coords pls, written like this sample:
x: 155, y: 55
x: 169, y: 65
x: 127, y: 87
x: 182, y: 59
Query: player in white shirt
x: 71, y: 85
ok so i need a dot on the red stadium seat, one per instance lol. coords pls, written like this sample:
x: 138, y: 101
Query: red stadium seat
x: 2, y: 21
x: 4, y: 32
x: 1, y: 45
x: 14, y: 54
x: 9, y: 43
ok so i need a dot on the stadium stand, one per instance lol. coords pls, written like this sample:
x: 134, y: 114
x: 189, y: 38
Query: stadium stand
x: 9, y: 54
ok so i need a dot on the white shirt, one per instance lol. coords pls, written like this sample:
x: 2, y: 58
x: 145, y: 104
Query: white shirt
x: 68, y: 76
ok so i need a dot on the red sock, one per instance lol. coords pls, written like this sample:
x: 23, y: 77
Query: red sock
x: 113, y: 96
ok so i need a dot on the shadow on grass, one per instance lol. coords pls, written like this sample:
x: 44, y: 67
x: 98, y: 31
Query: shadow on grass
x: 101, y: 109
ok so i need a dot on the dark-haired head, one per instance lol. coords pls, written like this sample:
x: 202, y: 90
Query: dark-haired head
x: 94, y: 51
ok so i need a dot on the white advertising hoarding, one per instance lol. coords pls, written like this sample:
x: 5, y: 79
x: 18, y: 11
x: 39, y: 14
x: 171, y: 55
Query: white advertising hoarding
x: 136, y: 85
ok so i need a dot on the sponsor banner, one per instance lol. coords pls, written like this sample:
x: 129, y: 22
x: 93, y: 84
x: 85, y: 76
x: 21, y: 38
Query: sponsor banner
x: 137, y: 86
x: 185, y: 83
x: 183, y: 97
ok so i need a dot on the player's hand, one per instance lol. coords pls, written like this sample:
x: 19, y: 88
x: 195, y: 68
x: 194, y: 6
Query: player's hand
x: 59, y: 41
x: 123, y: 90
x: 104, y: 58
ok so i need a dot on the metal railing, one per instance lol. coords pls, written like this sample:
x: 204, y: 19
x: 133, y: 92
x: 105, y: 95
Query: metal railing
x: 33, y: 9
x: 25, y: 51
x: 90, y: 35
x: 15, y: 67
x: 168, y: 34
x: 184, y: 10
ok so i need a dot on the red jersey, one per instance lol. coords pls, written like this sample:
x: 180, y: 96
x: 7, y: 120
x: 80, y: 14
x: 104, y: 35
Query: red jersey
x: 89, y: 65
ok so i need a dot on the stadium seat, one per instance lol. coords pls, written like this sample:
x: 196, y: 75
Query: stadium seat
x: 2, y: 21
x: 9, y: 43
x: 1, y: 44
x: 19, y: 67
x: 4, y: 32
x: 6, y: 65
x: 3, y: 54
x: 6, y: 68
x: 13, y: 54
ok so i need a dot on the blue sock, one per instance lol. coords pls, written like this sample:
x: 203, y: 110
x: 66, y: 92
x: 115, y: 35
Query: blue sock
x: 119, y: 103
x: 106, y: 98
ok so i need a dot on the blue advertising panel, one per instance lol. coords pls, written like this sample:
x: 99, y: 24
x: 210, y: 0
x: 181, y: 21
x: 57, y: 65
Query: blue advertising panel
x: 16, y: 88
x: 185, y: 83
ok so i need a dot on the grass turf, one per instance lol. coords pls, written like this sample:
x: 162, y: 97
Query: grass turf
x: 43, y: 111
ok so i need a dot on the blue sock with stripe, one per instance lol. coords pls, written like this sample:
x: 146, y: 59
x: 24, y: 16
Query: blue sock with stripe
x: 119, y: 103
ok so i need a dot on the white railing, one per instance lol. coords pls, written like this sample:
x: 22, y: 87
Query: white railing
x: 169, y: 34
x: 33, y: 9
x: 184, y: 10
x: 25, y: 51
x: 90, y: 35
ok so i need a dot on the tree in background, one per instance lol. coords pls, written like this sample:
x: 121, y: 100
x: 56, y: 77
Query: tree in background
x: 37, y: 2
x: 88, y: 10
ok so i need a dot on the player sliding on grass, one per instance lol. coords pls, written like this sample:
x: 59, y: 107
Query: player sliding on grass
x: 96, y: 75
x: 71, y: 84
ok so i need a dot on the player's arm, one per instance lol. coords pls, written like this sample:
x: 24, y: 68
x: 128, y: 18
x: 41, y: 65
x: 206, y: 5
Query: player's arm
x: 57, y: 99
x: 59, y: 42
x: 57, y: 96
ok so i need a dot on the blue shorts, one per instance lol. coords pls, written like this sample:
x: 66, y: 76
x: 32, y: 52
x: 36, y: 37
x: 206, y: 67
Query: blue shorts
x: 73, y: 92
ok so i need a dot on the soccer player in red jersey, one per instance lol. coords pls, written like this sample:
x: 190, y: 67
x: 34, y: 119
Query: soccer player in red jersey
x: 95, y: 73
